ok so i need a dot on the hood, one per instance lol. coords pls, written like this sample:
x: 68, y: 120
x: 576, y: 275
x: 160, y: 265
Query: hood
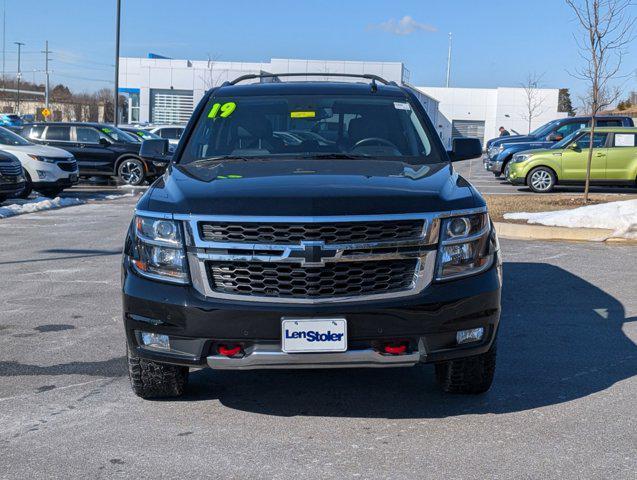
x: 310, y: 187
x: 513, y: 139
x: 42, y: 150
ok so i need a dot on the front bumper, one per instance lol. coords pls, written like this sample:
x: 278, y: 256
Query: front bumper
x: 516, y: 175
x: 11, y: 188
x: 428, y: 322
x: 69, y: 181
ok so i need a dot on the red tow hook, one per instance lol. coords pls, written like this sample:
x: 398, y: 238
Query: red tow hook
x: 395, y: 349
x: 229, y: 350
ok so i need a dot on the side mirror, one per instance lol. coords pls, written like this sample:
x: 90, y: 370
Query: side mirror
x: 155, y: 149
x: 554, y: 137
x: 573, y: 146
x: 465, y: 149
x: 104, y: 142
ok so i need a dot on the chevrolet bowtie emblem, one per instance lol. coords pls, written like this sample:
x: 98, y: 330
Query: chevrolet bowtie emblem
x: 312, y: 253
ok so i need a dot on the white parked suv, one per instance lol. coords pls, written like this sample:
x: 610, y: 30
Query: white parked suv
x: 48, y: 170
x: 172, y: 133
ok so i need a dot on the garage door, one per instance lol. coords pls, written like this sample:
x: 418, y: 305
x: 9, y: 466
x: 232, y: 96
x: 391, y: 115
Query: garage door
x: 468, y: 129
x: 170, y: 106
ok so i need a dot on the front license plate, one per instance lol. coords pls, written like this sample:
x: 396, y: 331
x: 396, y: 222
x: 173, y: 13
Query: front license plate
x: 313, y: 335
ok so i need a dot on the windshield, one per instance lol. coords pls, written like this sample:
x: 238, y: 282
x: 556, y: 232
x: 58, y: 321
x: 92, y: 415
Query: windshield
x: 544, y: 130
x: 142, y: 134
x: 119, y: 135
x: 7, y: 137
x: 310, y: 126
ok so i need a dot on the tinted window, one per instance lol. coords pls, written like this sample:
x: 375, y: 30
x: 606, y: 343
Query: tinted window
x: 56, y: 132
x: 625, y: 140
x: 598, y: 142
x: 609, y: 123
x: 566, y: 130
x: 87, y: 135
x: 347, y: 125
x: 170, y: 133
x: 34, y: 132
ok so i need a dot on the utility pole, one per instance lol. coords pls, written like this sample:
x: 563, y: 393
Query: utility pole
x: 20, y: 45
x: 117, y: 25
x: 4, y: 41
x: 449, y: 62
x: 46, y: 52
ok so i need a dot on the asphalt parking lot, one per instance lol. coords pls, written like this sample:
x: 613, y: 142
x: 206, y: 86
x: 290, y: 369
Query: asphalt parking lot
x: 563, y: 403
x: 487, y: 183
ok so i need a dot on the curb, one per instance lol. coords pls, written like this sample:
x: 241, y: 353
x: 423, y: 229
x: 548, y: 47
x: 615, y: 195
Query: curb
x: 517, y: 231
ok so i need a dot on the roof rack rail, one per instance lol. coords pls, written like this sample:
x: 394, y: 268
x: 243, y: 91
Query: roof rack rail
x: 368, y: 76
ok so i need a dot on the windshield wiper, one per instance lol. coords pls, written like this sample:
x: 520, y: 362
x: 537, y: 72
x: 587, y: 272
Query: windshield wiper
x: 221, y: 158
x: 335, y: 156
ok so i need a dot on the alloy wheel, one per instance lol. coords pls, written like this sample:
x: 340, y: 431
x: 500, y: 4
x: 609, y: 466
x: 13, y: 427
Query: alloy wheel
x: 131, y: 172
x: 541, y: 180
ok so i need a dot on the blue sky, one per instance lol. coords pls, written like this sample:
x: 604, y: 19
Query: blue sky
x: 496, y: 43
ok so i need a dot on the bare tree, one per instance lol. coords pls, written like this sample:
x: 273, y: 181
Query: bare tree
x: 606, y: 30
x: 534, y: 101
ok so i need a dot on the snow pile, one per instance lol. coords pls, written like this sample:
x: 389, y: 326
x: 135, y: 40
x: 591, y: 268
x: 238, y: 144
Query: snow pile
x: 621, y: 217
x: 36, y: 205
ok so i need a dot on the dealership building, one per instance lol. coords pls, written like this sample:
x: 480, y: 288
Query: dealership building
x: 162, y: 90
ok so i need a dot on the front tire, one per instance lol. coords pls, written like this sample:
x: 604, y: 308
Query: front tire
x: 506, y: 171
x: 28, y: 186
x: 131, y: 171
x: 156, y: 380
x: 470, y: 375
x: 541, y: 180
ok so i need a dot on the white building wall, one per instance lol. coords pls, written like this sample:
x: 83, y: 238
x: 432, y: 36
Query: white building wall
x: 495, y: 106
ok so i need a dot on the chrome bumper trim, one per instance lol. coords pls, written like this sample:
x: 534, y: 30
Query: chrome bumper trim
x: 271, y: 357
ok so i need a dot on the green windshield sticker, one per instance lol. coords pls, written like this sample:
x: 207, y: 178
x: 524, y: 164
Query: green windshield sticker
x: 226, y: 110
x: 106, y: 130
x: 141, y: 134
x: 302, y: 114
x: 229, y: 177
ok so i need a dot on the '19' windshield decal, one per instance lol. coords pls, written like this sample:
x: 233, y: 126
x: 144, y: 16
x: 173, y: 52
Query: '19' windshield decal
x: 222, y: 110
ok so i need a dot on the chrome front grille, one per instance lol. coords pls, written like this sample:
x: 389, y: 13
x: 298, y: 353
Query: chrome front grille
x: 329, y: 233
x: 311, y: 260
x: 292, y: 280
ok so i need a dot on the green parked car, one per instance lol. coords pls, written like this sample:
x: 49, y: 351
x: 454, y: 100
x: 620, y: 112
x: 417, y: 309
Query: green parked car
x: 614, y: 161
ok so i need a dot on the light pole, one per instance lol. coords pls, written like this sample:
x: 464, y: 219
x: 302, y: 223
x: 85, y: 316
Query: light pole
x: 46, y: 52
x: 117, y: 26
x: 20, y: 45
x: 448, y: 62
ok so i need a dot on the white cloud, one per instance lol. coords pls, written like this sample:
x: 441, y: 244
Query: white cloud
x: 405, y: 26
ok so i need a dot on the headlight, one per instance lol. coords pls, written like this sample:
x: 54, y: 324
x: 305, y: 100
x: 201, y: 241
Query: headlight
x: 520, y: 158
x: 465, y: 247
x: 158, y: 250
x: 42, y: 159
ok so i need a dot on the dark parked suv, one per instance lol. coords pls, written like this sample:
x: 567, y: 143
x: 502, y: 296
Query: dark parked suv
x: 12, y: 181
x: 500, y: 150
x: 365, y: 251
x: 100, y: 149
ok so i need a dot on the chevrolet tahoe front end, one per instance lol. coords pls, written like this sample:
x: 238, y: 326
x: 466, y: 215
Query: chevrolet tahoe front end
x: 311, y: 261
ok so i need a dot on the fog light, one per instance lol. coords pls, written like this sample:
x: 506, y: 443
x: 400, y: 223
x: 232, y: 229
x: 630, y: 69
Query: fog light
x: 41, y: 174
x: 155, y: 340
x: 468, y: 336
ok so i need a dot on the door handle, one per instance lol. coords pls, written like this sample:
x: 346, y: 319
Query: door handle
x: 600, y: 155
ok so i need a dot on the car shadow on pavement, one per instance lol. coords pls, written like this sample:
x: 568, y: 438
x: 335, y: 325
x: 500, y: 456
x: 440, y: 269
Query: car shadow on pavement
x: 560, y: 339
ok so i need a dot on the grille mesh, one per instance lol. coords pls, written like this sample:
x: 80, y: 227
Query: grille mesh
x: 330, y: 233
x: 293, y: 280
x: 10, y: 168
x: 68, y: 166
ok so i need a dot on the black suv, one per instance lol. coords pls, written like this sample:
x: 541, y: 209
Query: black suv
x: 12, y: 181
x: 100, y: 149
x: 367, y: 250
